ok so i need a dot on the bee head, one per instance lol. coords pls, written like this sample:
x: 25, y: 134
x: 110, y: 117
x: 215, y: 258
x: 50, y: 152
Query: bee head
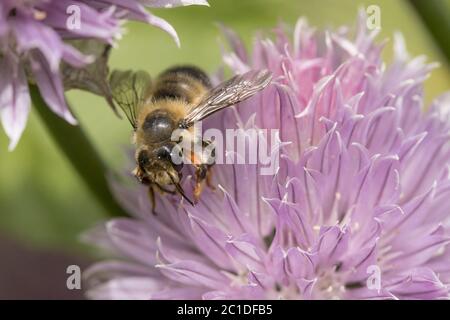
x: 156, y: 165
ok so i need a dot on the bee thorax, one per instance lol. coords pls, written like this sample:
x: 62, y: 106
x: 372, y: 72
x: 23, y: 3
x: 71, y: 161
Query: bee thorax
x: 158, y: 126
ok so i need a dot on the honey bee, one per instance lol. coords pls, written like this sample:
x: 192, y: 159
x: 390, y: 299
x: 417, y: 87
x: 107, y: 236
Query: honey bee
x: 178, y: 98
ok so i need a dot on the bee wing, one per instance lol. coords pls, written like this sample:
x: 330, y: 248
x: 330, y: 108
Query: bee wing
x: 228, y: 93
x: 130, y: 90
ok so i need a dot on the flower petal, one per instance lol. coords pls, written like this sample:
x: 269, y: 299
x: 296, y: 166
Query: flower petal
x: 14, y: 99
x: 51, y: 87
x: 174, y: 3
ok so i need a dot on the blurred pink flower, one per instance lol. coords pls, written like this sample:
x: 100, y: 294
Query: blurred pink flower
x: 32, y: 34
x: 362, y: 187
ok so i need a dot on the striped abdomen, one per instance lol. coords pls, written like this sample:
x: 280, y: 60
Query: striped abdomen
x: 184, y: 82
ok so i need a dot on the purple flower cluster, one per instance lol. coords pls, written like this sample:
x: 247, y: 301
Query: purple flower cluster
x: 359, y: 206
x: 32, y: 34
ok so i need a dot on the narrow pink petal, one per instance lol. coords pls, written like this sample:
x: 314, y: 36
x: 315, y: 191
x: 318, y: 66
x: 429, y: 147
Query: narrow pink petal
x: 132, y: 239
x: 173, y: 3
x: 126, y: 288
x: 34, y: 35
x: 332, y: 245
x: 193, y: 273
x: 14, y: 99
x: 50, y: 85
x: 420, y: 283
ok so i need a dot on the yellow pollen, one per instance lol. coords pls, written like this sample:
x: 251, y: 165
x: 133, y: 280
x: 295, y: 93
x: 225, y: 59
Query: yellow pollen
x: 39, y: 15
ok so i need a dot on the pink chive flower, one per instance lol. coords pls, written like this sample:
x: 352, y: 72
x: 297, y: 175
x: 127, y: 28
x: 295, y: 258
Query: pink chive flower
x: 32, y: 34
x: 358, y: 208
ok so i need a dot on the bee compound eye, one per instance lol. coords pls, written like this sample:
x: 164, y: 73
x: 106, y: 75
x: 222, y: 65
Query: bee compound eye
x: 143, y: 159
x: 163, y: 153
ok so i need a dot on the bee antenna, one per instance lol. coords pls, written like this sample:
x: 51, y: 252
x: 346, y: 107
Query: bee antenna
x: 181, y: 191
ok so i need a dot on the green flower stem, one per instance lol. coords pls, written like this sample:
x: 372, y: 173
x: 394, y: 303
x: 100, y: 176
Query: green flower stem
x: 435, y: 14
x: 74, y: 143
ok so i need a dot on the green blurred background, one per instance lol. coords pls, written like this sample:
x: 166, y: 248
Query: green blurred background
x: 44, y: 204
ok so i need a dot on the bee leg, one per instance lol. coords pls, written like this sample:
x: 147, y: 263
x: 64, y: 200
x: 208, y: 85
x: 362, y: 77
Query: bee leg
x: 201, y: 173
x: 151, y: 195
x: 164, y: 190
x: 197, y: 191
x: 210, y: 161
x: 209, y: 178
